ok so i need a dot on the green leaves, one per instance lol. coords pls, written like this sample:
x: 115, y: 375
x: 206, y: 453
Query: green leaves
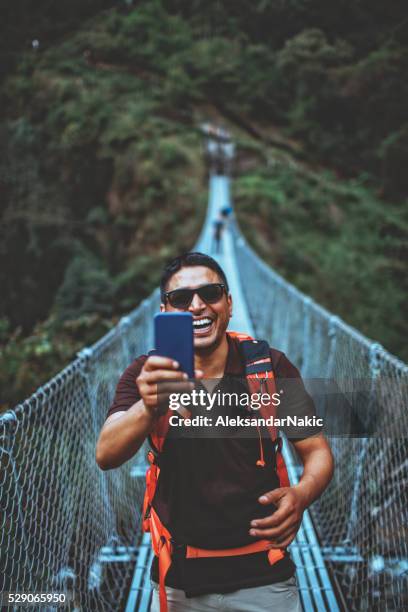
x: 334, y: 240
x: 86, y: 289
x: 99, y: 149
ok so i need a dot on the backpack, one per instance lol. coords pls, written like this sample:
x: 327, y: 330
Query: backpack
x: 260, y: 379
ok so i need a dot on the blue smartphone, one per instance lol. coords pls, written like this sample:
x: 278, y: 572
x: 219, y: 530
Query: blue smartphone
x: 174, y: 337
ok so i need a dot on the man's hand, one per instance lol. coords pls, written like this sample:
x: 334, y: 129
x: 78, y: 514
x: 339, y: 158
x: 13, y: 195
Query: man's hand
x: 159, y: 378
x: 125, y: 431
x: 281, y: 526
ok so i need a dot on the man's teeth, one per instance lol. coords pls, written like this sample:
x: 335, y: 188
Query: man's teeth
x: 201, y: 323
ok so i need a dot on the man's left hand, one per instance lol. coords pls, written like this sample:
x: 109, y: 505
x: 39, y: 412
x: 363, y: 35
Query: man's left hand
x: 281, y: 526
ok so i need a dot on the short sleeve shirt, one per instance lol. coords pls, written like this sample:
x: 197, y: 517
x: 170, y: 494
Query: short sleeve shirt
x: 209, y: 486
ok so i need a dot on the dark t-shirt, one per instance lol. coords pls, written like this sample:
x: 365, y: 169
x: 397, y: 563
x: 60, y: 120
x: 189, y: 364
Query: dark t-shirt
x: 209, y: 483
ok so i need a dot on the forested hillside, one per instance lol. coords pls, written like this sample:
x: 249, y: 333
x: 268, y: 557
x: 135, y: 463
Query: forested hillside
x: 101, y: 170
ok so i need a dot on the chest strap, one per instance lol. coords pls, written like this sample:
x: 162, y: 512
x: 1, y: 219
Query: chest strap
x: 274, y: 555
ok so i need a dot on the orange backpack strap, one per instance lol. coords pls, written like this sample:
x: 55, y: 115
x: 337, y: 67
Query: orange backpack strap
x: 160, y: 536
x: 157, y: 439
x: 261, y: 379
x: 260, y: 376
x: 274, y: 554
x: 162, y: 547
x: 239, y: 335
x: 161, y: 429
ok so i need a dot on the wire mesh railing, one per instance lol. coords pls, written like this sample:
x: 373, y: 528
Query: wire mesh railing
x: 362, y: 518
x: 65, y: 526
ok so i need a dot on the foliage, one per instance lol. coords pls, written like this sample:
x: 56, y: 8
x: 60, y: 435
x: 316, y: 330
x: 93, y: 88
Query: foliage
x: 331, y: 74
x: 26, y: 360
x: 86, y: 289
x: 100, y: 169
x: 99, y: 180
x: 334, y: 240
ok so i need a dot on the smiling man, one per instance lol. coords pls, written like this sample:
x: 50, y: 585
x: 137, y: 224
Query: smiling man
x: 214, y: 494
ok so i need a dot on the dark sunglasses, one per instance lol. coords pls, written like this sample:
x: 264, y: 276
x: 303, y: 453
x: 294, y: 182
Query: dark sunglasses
x: 182, y: 298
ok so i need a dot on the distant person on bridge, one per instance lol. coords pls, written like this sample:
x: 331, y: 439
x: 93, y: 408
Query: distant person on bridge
x: 226, y: 213
x: 220, y: 515
x: 218, y: 230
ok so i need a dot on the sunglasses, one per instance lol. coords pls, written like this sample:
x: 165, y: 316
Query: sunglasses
x: 182, y: 298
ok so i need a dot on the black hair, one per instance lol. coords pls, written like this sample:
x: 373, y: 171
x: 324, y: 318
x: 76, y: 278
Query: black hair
x: 188, y: 260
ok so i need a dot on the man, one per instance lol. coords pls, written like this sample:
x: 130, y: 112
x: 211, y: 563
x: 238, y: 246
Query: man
x: 212, y: 492
x: 218, y: 230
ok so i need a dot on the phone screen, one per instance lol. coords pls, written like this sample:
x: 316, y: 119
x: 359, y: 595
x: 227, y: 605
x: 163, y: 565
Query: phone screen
x: 174, y: 337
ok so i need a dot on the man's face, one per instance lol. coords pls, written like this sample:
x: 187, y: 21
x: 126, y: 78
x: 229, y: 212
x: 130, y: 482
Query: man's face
x: 217, y: 315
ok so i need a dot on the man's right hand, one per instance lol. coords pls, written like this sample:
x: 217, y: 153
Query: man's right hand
x: 124, y: 432
x: 159, y: 377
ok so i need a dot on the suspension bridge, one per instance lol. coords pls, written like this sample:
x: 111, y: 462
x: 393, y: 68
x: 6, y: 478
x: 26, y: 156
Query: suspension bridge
x: 67, y: 527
